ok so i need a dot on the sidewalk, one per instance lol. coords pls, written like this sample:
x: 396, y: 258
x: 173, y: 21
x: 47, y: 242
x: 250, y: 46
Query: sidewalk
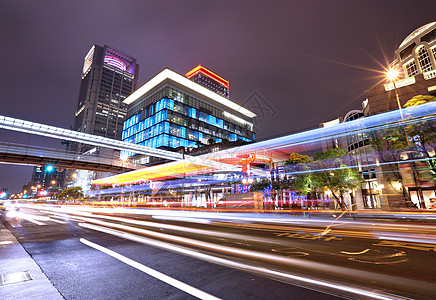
x: 20, y: 276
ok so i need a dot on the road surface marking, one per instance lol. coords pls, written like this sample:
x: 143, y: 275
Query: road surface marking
x: 34, y: 221
x: 415, y: 246
x: 307, y: 236
x: 57, y: 221
x: 158, y: 275
x: 356, y: 253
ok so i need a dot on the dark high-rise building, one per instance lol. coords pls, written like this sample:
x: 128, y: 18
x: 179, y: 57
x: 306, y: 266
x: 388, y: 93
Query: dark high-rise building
x: 108, y: 77
x: 209, y: 80
x: 46, y: 181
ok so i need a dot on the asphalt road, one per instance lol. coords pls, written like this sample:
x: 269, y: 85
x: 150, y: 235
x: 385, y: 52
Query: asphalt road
x: 82, y: 272
x: 229, y: 256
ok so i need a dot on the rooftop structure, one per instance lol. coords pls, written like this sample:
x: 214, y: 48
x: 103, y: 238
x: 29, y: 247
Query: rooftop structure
x: 210, y: 80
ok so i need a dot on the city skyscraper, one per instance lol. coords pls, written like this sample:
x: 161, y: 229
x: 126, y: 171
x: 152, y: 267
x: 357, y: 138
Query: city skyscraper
x: 108, y: 77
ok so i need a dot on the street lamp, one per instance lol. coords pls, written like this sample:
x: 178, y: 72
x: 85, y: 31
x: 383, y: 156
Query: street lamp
x: 392, y: 75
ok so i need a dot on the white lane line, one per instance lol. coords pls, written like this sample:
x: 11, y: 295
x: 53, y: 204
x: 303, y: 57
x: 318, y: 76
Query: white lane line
x: 5, y: 242
x: 57, y: 221
x: 165, y: 278
x: 34, y: 221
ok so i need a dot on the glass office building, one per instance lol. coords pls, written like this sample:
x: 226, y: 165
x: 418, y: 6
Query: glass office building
x: 109, y: 76
x: 172, y: 111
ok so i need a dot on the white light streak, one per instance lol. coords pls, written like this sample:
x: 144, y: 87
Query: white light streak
x: 295, y: 279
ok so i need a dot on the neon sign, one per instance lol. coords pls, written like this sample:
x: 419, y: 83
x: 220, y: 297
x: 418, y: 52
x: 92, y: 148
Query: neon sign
x: 115, y: 62
x: 208, y: 73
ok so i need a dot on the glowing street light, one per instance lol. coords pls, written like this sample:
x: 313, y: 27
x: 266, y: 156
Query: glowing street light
x: 392, y: 74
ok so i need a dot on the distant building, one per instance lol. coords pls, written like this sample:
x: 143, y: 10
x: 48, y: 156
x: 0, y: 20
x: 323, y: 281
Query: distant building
x: 46, y: 181
x: 171, y: 111
x: 109, y: 76
x: 209, y: 80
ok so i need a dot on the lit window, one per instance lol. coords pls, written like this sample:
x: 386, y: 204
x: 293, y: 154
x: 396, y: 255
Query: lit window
x: 411, y: 69
x: 424, y: 60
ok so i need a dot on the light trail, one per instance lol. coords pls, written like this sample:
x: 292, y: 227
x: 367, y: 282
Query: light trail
x: 245, y: 253
x: 315, y: 284
x: 156, y: 274
x: 359, y: 229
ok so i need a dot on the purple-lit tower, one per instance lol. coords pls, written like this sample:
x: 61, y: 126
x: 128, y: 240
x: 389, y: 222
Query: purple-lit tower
x: 108, y: 77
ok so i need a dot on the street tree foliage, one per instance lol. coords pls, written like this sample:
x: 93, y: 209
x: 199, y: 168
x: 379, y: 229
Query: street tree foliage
x: 71, y: 193
x: 301, y: 181
x: 419, y: 99
x: 326, y: 170
x: 422, y: 135
x: 297, y: 158
x: 333, y: 174
x: 414, y: 139
x: 410, y: 140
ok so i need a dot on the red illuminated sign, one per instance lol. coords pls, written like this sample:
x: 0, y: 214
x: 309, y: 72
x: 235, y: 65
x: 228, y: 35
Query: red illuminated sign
x: 208, y: 73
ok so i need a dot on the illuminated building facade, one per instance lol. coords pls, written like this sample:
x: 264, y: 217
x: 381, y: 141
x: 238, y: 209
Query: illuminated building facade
x: 172, y: 111
x: 362, y: 156
x: 210, y: 80
x: 109, y: 76
x: 417, y: 53
x: 415, y: 58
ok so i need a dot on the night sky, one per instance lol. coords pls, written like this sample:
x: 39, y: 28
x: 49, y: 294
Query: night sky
x: 304, y: 61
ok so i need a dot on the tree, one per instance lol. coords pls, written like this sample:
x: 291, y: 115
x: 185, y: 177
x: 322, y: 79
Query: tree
x: 334, y: 174
x: 422, y: 135
x: 419, y: 99
x: 301, y: 181
x: 410, y: 140
x: 71, y: 193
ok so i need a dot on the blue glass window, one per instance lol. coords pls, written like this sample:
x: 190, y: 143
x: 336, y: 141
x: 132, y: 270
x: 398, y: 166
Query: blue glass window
x: 193, y: 113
